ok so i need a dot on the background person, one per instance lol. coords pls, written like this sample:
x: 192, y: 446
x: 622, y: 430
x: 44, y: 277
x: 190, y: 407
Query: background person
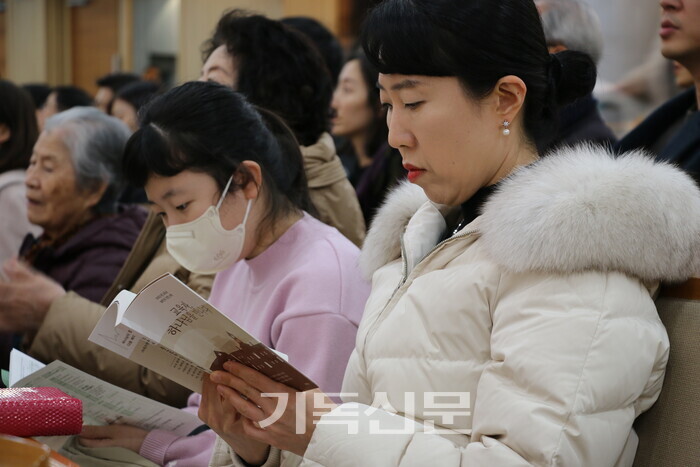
x: 573, y: 25
x: 129, y: 100
x: 108, y: 86
x: 125, y: 107
x: 326, y: 43
x: 72, y: 186
x: 39, y: 93
x: 522, y: 285
x: 61, y: 99
x: 278, y: 69
x: 373, y: 166
x: 671, y: 130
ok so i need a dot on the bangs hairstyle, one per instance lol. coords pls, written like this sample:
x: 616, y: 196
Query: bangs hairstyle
x: 479, y: 42
x: 209, y: 128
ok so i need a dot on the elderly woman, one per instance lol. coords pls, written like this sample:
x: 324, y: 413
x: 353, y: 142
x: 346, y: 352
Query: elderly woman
x: 511, y: 319
x: 72, y: 186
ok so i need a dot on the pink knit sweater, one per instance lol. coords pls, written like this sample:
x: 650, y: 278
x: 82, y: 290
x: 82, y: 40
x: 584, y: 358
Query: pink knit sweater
x: 303, y: 296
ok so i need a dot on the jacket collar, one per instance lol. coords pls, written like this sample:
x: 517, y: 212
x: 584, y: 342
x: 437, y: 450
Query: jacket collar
x: 321, y: 163
x: 578, y: 209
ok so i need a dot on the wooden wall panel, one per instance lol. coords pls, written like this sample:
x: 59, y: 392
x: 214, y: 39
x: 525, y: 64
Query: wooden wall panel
x: 25, y: 27
x: 327, y: 12
x: 94, y: 41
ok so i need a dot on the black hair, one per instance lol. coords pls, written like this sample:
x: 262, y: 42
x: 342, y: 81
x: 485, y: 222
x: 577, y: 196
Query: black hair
x: 209, y: 128
x: 18, y: 114
x: 39, y: 93
x: 116, y: 81
x: 324, y: 40
x: 479, y: 42
x: 68, y: 97
x: 278, y: 69
x: 138, y: 94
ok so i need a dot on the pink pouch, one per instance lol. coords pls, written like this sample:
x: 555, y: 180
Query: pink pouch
x: 39, y: 412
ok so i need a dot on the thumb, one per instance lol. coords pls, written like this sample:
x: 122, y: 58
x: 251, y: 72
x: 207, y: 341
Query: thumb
x: 16, y: 269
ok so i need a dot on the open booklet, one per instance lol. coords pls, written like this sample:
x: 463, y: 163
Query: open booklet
x: 103, y: 403
x: 170, y: 329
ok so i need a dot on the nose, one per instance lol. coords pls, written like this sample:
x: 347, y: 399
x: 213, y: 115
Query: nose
x: 399, y: 134
x: 30, y: 179
x: 334, y: 101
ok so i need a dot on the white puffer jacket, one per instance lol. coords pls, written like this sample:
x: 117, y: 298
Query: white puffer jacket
x: 540, y: 310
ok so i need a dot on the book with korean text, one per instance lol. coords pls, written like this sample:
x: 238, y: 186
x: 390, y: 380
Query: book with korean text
x: 170, y: 329
x: 102, y: 403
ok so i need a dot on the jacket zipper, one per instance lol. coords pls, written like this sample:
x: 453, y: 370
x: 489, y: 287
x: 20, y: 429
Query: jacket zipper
x: 372, y: 329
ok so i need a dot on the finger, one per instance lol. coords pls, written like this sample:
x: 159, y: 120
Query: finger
x: 255, y: 378
x: 245, y: 407
x: 96, y: 443
x: 16, y: 270
x: 92, y: 431
x: 244, y: 389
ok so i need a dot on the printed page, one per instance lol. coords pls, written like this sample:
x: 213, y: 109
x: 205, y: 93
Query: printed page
x: 21, y: 366
x: 104, y: 403
x: 132, y: 345
x: 169, y: 312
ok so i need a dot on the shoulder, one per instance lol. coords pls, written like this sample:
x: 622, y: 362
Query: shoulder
x: 319, y: 250
x: 584, y: 209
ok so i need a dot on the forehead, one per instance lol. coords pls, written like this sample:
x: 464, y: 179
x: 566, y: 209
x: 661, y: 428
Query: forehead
x: 351, y: 70
x: 396, y: 82
x: 50, y: 144
x: 219, y: 58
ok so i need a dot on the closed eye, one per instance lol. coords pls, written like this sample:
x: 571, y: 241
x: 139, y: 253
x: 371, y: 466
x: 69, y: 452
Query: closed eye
x: 413, y: 105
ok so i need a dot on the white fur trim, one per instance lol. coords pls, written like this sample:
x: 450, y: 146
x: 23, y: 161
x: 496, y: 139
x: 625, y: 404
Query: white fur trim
x: 383, y: 242
x: 583, y: 209
x: 575, y: 210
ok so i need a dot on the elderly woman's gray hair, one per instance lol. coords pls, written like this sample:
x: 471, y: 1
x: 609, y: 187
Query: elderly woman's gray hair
x: 573, y: 24
x: 96, y: 143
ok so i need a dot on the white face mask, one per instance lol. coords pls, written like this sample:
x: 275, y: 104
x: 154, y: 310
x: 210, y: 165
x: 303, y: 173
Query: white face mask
x: 203, y: 245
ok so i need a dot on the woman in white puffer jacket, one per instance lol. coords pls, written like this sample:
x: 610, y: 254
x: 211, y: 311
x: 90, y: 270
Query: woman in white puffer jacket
x: 511, y: 319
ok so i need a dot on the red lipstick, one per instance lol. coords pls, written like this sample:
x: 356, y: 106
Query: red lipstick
x: 413, y: 172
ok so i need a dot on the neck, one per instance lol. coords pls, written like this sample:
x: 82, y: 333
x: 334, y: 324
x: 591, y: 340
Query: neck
x: 359, y: 144
x: 271, y: 235
x: 69, y: 226
x: 518, y: 157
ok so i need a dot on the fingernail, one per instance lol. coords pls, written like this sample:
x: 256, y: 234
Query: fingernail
x: 215, y: 377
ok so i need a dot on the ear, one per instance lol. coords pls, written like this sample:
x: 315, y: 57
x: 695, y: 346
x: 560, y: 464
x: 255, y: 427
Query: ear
x: 5, y: 133
x: 510, y: 92
x: 91, y: 198
x: 252, y: 189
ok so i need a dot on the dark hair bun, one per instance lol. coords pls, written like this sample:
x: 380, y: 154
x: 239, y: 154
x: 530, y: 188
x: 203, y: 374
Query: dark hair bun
x: 572, y: 75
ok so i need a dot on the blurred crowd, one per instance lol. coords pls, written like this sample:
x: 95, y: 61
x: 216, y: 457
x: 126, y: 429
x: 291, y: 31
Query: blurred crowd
x: 292, y: 154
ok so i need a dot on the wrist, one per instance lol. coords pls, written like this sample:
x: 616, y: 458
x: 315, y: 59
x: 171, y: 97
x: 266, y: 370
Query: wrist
x: 252, y: 456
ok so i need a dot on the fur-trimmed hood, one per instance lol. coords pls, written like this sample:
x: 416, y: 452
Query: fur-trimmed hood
x: 575, y: 210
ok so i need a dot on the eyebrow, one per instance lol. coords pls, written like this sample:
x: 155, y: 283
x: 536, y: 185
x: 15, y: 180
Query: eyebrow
x: 170, y: 193
x: 405, y: 84
x: 214, y: 68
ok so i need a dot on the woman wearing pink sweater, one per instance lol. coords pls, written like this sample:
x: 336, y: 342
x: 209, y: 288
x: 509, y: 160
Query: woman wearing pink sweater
x: 232, y: 194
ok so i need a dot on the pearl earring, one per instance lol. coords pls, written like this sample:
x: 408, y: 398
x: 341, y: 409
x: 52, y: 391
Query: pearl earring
x: 506, y: 124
